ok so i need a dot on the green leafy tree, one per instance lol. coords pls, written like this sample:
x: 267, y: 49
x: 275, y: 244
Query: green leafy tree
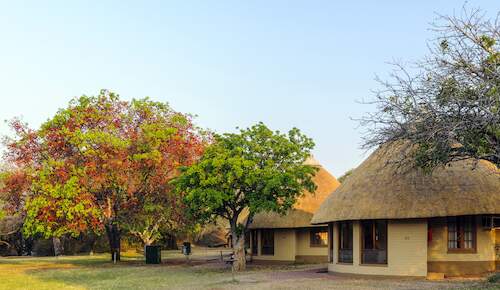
x: 255, y: 170
x: 448, y: 104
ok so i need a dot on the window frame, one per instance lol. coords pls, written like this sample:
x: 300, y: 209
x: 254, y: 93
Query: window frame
x: 350, y: 226
x: 314, y: 231
x: 374, y: 241
x: 460, y: 225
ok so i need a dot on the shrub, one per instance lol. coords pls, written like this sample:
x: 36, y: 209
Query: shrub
x: 494, y: 278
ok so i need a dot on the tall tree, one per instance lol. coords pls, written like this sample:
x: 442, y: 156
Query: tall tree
x: 448, y: 103
x: 256, y: 169
x: 95, y: 164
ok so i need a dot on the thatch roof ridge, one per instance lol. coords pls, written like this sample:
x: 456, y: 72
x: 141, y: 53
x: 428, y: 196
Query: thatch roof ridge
x: 381, y: 189
x: 300, y: 216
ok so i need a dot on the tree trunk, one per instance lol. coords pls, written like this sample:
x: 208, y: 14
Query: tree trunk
x: 58, y: 246
x: 114, y: 239
x: 239, y: 263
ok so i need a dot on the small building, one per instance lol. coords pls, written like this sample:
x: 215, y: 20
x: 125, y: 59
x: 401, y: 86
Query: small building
x: 386, y: 219
x: 291, y: 238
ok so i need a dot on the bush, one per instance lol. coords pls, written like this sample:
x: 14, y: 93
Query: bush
x: 494, y: 278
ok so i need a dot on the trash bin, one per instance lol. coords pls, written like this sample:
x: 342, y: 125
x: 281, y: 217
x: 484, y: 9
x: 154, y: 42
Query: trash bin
x: 153, y: 254
x: 186, y: 248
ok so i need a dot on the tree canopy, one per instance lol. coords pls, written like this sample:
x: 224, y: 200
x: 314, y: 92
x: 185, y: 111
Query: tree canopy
x: 256, y: 169
x: 448, y: 104
x: 100, y: 163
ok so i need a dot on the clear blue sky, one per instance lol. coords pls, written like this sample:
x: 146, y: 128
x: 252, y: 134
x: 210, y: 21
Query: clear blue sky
x: 233, y: 63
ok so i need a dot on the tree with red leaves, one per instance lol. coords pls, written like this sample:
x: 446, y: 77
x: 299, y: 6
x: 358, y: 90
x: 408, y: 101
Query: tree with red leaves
x: 100, y: 164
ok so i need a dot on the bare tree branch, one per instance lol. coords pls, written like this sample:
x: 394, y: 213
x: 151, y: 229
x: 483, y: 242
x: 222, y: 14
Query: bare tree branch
x: 449, y: 103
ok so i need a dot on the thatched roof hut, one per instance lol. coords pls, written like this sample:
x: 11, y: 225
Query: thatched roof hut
x: 380, y: 188
x: 300, y: 216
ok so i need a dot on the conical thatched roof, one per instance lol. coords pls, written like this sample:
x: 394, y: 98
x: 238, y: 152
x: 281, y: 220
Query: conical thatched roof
x: 381, y: 189
x: 305, y: 207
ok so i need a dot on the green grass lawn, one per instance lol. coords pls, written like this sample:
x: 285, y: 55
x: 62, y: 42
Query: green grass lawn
x: 97, y: 272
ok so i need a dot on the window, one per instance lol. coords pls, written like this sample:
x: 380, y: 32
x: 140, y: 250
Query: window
x: 462, y: 234
x: 345, y: 242
x: 374, y: 242
x: 255, y: 245
x: 267, y: 242
x: 490, y: 222
x: 319, y: 237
